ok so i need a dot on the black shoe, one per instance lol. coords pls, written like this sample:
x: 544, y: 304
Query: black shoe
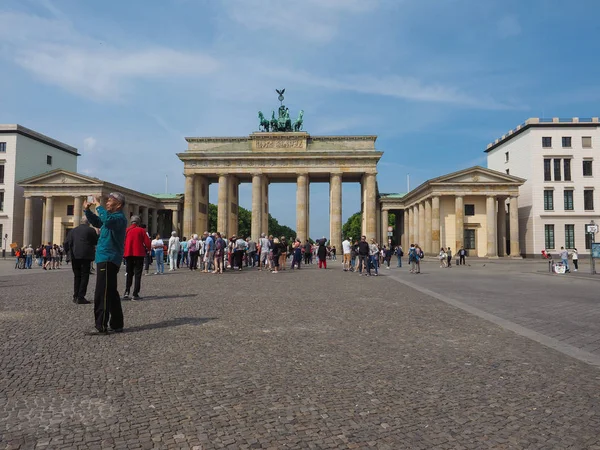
x: 136, y: 298
x: 83, y: 301
x: 97, y: 332
x: 126, y: 296
x: 115, y: 330
x: 74, y: 299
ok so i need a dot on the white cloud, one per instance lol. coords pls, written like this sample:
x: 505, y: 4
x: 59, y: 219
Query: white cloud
x: 89, y: 144
x: 58, y: 54
x: 508, y: 26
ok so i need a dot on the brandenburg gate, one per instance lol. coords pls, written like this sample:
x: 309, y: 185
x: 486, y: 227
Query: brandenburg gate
x: 280, y: 153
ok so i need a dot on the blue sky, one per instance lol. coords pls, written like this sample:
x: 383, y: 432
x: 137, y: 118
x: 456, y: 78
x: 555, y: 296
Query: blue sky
x: 436, y: 80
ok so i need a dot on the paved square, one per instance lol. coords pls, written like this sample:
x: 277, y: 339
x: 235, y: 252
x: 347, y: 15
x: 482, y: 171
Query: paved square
x: 309, y: 359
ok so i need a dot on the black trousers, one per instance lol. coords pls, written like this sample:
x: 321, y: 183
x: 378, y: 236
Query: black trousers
x: 238, y: 257
x: 193, y: 260
x: 461, y: 260
x: 134, y: 266
x: 107, y: 302
x: 147, y: 262
x: 81, y: 270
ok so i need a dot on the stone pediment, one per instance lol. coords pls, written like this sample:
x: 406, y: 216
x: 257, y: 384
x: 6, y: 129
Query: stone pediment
x: 60, y: 177
x: 477, y: 175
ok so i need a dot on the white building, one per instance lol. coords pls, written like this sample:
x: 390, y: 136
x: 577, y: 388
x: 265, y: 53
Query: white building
x: 25, y: 153
x: 558, y: 159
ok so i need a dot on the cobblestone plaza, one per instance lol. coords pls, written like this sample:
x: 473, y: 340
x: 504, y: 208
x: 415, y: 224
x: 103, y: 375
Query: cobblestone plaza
x: 308, y: 359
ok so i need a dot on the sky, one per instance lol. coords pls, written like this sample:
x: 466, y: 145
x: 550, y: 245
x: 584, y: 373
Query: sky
x: 436, y: 80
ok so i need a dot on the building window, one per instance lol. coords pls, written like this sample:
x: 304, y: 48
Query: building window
x: 569, y: 236
x: 567, y: 169
x: 70, y: 210
x: 507, y: 171
x: 557, y: 170
x: 1, y: 202
x: 548, y: 200
x: 546, y: 142
x: 2, y: 147
x: 566, y: 141
x: 547, y: 170
x: 469, y: 239
x: 588, y: 238
x: 568, y: 200
x: 469, y: 210
x: 506, y: 157
x: 1, y: 173
x: 549, y: 236
x: 588, y: 199
x: 586, y: 142
x: 49, y: 160
x: 587, y: 168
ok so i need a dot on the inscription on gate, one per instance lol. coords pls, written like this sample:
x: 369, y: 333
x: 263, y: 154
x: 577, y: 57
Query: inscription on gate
x: 280, y: 143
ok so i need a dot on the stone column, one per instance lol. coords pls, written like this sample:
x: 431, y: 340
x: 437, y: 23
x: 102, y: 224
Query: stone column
x: 335, y: 216
x: 414, y: 213
x: 378, y: 237
x: 135, y: 209
x: 27, y: 222
x: 49, y: 221
x: 154, y: 222
x: 175, y: 219
x: 265, y: 201
x: 77, y: 210
x: 223, y: 205
x: 422, y: 226
x: 385, y: 218
x: 515, y: 248
x: 256, y: 206
x: 145, y: 217
x: 302, y: 206
x: 189, y: 207
x: 501, y: 227
x: 491, y: 230
x: 234, y: 186
x: 428, y: 247
x: 459, y: 227
x: 202, y: 202
x: 407, y: 229
x: 370, y: 206
x: 435, y: 224
x: 43, y: 221
x: 398, y: 228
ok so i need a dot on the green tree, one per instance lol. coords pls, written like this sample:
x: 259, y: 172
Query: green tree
x: 353, y: 226
x: 245, y: 223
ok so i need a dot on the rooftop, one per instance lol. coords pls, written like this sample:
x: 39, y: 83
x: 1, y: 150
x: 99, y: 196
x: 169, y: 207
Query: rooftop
x: 544, y: 122
x: 167, y: 196
x: 24, y: 131
x: 392, y: 195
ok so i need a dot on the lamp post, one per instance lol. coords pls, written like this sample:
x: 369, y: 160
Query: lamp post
x: 4, y: 249
x: 592, y: 230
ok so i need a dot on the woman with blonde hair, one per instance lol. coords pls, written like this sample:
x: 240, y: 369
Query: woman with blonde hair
x: 276, y: 255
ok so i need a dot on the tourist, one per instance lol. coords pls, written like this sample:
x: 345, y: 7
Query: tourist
x: 193, y: 247
x: 443, y: 256
x: 347, y: 252
x: 183, y: 253
x: 276, y: 255
x: 374, y: 256
x: 220, y: 249
x: 322, y: 252
x: 574, y: 257
x: 29, y: 252
x: 47, y: 253
x: 297, y: 254
x: 209, y: 252
x: 363, y: 257
x: 414, y: 259
x: 353, y: 255
x: 137, y: 247
x: 38, y: 255
x: 333, y: 253
x: 109, y: 255
x: 158, y: 246
x: 251, y: 255
x: 388, y: 255
x: 399, y: 254
x: 81, y: 247
x: 239, y: 252
x: 461, y: 256
x: 173, y: 250
x: 307, y: 253
x: 284, y: 250
x: 264, y: 246
x: 564, y: 256
x: 449, y: 257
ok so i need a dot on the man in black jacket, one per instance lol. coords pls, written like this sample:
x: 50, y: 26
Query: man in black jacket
x: 81, y: 244
x: 363, y: 256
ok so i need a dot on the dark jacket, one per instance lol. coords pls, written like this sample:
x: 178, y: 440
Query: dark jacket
x: 363, y: 248
x: 81, y: 242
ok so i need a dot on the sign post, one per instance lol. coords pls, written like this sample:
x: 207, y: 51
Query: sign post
x: 592, y: 229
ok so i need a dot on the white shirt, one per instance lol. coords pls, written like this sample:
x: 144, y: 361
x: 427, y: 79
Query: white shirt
x: 174, y: 244
x: 157, y: 243
x: 346, y: 246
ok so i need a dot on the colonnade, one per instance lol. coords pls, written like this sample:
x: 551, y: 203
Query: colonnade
x: 422, y: 225
x: 197, y: 201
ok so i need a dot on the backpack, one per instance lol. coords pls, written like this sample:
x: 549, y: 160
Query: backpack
x: 219, y: 244
x: 421, y: 254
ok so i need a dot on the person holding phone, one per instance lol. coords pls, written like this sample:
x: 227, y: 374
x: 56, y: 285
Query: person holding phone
x: 109, y: 256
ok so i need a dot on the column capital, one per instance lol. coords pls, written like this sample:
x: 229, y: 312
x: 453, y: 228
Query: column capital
x: 257, y: 174
x: 336, y: 174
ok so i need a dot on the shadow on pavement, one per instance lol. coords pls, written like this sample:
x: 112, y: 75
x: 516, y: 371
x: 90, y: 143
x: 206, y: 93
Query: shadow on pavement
x: 170, y: 323
x: 166, y: 297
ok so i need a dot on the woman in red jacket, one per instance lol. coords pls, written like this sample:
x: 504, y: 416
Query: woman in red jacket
x: 137, y: 246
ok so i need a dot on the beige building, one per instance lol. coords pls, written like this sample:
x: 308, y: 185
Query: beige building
x: 475, y: 208
x: 23, y: 154
x: 57, y: 197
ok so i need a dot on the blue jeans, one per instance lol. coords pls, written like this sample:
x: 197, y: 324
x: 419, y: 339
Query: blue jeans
x: 160, y: 260
x: 566, y: 263
x: 374, y: 259
x: 399, y: 260
x: 28, y: 260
